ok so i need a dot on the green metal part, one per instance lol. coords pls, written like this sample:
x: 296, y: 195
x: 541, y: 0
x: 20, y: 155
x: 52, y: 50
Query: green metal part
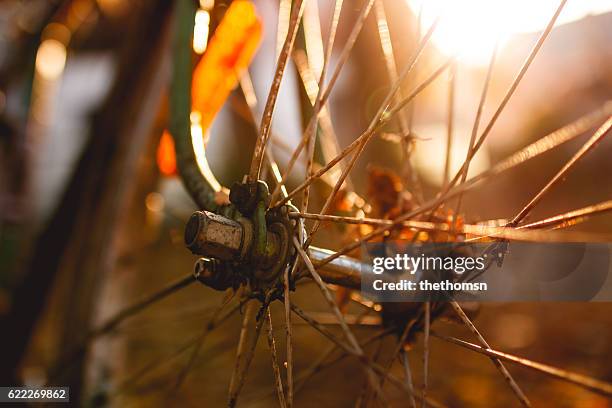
x: 180, y: 108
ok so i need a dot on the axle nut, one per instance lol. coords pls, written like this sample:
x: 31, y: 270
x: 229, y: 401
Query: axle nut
x: 214, y: 236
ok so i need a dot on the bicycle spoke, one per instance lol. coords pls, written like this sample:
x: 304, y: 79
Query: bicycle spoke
x: 539, y: 147
x: 152, y: 366
x: 565, y: 220
x: 351, y: 319
x: 329, y: 140
x: 376, y: 122
x: 284, y: 17
x: 364, y: 137
x: 246, y: 85
x: 65, y: 362
x: 513, y: 86
x: 137, y: 307
x: 408, y: 375
x: 246, y: 350
x: 321, y: 363
x: 396, y: 353
x: 404, y: 102
x: 588, y: 146
x: 266, y: 121
x: 348, y: 47
x: 381, y: 117
x: 521, y: 233
x: 404, y: 124
x: 483, y: 97
x: 367, y: 395
x: 313, y: 37
x: 182, y: 375
x: 450, y: 119
x: 426, y: 333
x: 328, y: 297
x: 334, y: 307
x: 535, y: 149
x: 360, y: 357
x: 571, y: 218
x: 311, y: 142
x: 500, y: 366
x: 277, y: 376
x: 156, y: 363
x: 288, y: 330
x: 584, y: 381
x: 246, y: 110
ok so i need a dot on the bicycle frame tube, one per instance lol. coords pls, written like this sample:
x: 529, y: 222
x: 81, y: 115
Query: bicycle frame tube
x: 200, y: 189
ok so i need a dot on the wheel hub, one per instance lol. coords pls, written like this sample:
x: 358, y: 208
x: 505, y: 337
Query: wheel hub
x: 244, y: 242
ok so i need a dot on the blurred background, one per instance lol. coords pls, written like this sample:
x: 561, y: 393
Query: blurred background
x: 92, y: 211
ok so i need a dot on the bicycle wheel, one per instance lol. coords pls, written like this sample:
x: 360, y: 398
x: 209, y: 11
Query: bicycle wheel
x: 257, y: 246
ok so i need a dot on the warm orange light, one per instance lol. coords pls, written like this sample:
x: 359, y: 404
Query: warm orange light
x: 50, y: 59
x: 470, y: 28
x: 200, y: 31
x: 229, y: 52
x: 166, y: 156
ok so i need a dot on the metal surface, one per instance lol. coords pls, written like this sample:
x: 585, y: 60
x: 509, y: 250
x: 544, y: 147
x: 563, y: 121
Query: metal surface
x: 343, y: 271
x: 215, y: 236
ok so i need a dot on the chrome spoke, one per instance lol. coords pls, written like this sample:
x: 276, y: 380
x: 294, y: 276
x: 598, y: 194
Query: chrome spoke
x: 153, y: 365
x: 408, y: 375
x: 312, y: 131
x: 450, y: 121
x: 266, y: 121
x: 588, y: 146
x: 249, y: 334
x: 355, y: 31
x: 321, y: 362
x: 483, y: 97
x: 521, y: 233
x: 334, y: 307
x: 426, y: 333
x: 375, y: 124
x: 598, y: 386
x: 138, y: 307
x: 500, y: 366
x: 288, y: 331
x: 364, y: 137
x: 246, y: 85
x: 361, y: 358
x: 328, y: 297
x: 182, y: 375
x: 278, y: 382
x: 513, y: 86
x: 330, y: 146
x: 571, y: 218
x: 381, y: 117
x: 396, y: 353
x: 408, y: 172
x: 546, y: 143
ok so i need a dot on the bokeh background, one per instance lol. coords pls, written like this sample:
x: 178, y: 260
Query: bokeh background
x: 92, y: 219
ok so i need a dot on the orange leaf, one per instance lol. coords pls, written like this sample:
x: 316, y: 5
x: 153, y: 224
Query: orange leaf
x: 228, y: 54
x: 166, y: 156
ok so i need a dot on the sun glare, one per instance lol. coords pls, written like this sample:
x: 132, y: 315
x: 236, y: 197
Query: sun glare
x: 470, y: 28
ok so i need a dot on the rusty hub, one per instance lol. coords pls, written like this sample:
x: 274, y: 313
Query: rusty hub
x: 249, y: 243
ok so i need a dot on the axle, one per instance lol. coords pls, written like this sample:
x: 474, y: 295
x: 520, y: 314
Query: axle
x: 217, y: 237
